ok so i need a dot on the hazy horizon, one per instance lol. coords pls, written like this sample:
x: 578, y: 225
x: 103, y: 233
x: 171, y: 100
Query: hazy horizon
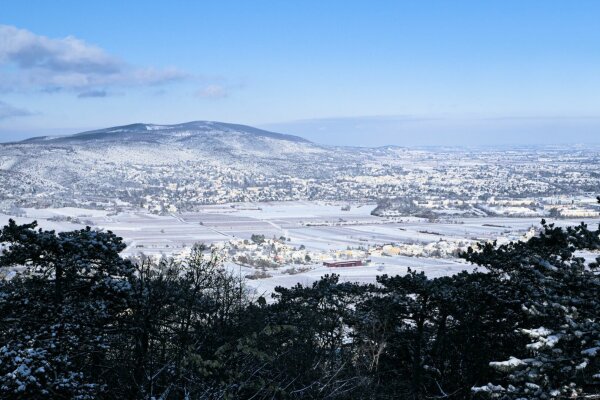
x: 354, y: 135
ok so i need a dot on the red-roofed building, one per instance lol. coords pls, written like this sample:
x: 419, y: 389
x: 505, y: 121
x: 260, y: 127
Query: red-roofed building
x: 343, y: 264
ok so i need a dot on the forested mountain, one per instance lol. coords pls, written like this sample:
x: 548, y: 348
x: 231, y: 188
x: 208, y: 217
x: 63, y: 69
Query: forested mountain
x: 212, y: 161
x: 186, y: 133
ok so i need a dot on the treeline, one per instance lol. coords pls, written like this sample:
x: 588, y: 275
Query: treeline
x: 78, y: 321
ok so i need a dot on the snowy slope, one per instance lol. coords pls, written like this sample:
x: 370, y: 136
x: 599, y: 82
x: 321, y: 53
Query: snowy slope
x: 136, y: 158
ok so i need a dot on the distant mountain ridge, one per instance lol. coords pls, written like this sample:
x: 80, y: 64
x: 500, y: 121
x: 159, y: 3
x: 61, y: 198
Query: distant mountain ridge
x: 156, y: 132
x: 183, y: 164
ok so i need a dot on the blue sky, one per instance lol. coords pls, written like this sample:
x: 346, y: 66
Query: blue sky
x: 336, y: 72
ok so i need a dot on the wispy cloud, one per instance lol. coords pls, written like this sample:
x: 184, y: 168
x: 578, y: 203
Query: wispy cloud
x: 92, y: 93
x: 213, y: 91
x: 34, y: 62
x: 8, y: 111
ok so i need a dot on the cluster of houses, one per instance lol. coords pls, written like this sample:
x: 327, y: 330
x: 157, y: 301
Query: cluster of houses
x: 435, y: 206
x: 267, y: 252
x: 276, y: 252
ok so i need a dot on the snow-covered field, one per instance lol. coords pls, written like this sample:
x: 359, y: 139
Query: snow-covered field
x: 319, y: 226
x: 399, y: 265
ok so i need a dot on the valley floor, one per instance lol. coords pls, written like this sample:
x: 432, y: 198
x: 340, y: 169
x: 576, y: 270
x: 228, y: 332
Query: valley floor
x: 322, y: 230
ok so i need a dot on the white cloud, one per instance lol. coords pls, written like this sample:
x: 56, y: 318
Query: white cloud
x: 29, y: 51
x: 34, y: 62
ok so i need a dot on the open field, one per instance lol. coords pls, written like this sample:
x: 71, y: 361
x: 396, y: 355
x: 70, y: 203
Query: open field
x: 321, y: 227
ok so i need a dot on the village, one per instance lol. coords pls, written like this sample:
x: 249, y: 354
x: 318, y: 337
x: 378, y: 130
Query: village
x: 264, y: 253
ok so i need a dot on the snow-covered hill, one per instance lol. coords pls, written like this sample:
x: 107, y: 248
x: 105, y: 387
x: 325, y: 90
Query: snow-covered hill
x: 203, y: 136
x: 142, y: 159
